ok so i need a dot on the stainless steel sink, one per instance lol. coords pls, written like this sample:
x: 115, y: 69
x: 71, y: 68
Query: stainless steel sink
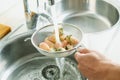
x: 19, y: 60
x: 90, y: 15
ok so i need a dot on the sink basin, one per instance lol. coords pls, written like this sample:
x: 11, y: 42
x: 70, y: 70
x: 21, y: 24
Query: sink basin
x: 19, y: 60
x: 90, y: 15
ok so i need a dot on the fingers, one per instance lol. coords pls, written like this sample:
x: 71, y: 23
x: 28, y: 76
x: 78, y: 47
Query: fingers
x: 83, y: 50
x: 78, y: 56
x: 84, y: 57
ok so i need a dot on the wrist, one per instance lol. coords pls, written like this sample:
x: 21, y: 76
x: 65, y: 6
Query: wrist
x: 113, y: 72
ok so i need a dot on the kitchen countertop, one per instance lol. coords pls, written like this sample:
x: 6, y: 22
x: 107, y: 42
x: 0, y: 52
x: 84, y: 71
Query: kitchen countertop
x: 13, y: 15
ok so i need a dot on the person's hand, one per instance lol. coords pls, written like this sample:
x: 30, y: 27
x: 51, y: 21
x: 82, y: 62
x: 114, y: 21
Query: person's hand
x: 93, y: 65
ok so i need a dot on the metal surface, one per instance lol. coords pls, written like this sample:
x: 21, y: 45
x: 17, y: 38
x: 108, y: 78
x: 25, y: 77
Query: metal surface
x: 19, y: 60
x: 11, y: 33
x: 39, y: 36
x: 35, y: 11
x: 90, y: 15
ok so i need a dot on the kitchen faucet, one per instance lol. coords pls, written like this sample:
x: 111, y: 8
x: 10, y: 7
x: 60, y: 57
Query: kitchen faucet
x: 42, y: 12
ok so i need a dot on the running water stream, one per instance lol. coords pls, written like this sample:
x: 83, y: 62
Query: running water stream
x: 59, y: 61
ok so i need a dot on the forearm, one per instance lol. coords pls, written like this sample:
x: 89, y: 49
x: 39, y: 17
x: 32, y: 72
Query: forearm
x: 113, y: 72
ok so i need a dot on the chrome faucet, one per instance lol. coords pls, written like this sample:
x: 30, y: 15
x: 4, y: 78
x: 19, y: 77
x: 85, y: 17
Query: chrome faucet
x: 41, y: 13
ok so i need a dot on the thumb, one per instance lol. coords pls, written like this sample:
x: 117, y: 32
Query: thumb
x: 83, y: 50
x: 78, y: 56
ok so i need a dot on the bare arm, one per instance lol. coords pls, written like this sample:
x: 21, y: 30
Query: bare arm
x: 95, y: 66
x: 113, y: 72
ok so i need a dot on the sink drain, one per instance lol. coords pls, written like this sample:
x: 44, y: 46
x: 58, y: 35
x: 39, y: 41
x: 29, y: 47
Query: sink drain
x: 45, y: 69
x: 51, y: 72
